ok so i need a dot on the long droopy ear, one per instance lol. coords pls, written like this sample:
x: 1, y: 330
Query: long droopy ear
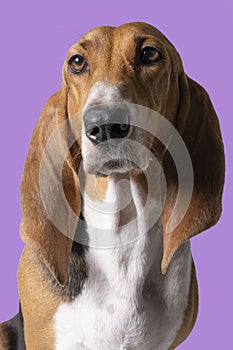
x: 38, y: 230
x: 198, y: 125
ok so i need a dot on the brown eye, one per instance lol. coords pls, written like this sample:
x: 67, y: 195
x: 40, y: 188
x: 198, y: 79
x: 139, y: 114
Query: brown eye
x: 77, y: 64
x: 150, y: 55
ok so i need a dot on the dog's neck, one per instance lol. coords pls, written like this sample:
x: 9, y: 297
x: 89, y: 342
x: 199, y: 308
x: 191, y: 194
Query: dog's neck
x: 124, y: 230
x: 126, y: 302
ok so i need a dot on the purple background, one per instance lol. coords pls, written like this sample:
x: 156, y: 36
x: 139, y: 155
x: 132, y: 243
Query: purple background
x: 35, y: 37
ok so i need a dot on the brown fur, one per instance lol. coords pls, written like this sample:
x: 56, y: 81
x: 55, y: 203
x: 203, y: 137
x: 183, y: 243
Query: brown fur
x: 96, y: 187
x: 201, y: 132
x: 111, y: 54
x: 37, y: 230
x: 39, y: 303
x: 3, y: 337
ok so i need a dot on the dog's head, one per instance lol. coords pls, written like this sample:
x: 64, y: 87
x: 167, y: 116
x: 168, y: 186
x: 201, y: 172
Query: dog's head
x: 106, y: 75
x: 108, y: 71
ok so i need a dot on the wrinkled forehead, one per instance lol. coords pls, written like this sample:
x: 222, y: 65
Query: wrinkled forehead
x: 106, y: 37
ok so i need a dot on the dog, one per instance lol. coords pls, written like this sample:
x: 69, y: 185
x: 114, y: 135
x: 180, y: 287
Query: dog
x: 108, y: 262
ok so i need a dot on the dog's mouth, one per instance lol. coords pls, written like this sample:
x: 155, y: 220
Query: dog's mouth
x: 129, y: 156
x: 117, y: 166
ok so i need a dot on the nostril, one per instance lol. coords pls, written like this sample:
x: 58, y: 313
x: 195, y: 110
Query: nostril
x: 124, y: 127
x: 95, y: 131
x: 94, y: 134
x: 119, y: 130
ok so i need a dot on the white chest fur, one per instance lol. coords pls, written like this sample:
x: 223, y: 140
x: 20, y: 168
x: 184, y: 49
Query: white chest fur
x: 126, y: 303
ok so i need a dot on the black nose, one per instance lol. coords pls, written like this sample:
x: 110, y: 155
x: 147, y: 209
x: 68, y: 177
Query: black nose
x: 104, y: 122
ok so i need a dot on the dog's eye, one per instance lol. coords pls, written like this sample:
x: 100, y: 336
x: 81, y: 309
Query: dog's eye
x: 77, y: 64
x: 150, y: 55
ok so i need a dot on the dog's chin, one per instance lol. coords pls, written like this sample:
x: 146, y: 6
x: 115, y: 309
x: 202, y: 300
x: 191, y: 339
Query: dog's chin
x: 111, y: 167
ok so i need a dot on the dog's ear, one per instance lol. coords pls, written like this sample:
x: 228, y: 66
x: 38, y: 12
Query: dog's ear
x: 199, y: 128
x: 50, y: 195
